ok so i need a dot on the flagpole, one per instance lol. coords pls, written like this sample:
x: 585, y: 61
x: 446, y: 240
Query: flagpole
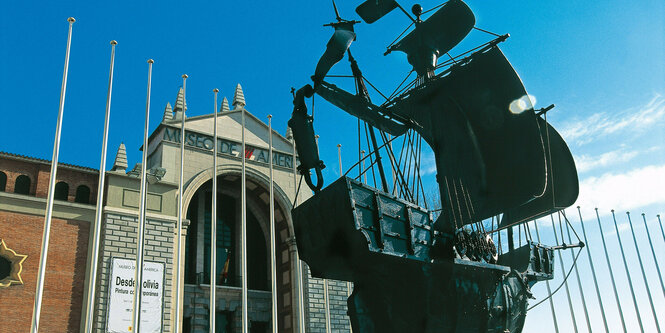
x: 644, y: 275
x: 655, y: 260
x: 341, y: 174
x: 547, y: 282
x: 41, y: 273
x: 593, y: 272
x: 178, y: 270
x: 363, y: 173
x: 138, y: 273
x: 326, y: 298
x: 245, y: 323
x: 273, y: 254
x: 299, y: 267
x: 609, y: 266
x: 100, y: 202
x: 659, y: 223
x: 213, y: 228
x: 630, y: 281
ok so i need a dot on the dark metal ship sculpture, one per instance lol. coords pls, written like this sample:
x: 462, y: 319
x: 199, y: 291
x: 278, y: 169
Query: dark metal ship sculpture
x: 495, y: 156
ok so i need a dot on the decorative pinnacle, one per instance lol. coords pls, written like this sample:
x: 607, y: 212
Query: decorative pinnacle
x: 225, y: 105
x: 71, y: 20
x: 215, y: 90
x: 150, y: 61
x: 120, y: 163
x: 339, y: 145
x: 238, y: 98
x: 113, y: 42
x: 184, y: 76
x: 269, y: 116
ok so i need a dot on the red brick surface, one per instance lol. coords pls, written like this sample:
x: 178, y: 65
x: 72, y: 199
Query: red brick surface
x: 65, y: 273
x: 39, y: 174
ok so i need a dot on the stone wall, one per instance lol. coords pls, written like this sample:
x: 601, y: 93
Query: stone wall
x: 315, y: 315
x: 119, y: 233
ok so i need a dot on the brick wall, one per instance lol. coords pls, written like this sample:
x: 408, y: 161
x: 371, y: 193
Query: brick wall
x: 39, y: 174
x: 65, y: 275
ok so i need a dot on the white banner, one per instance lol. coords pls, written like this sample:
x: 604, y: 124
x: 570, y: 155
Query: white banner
x: 121, y: 297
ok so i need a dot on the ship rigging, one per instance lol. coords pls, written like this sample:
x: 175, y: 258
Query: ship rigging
x: 499, y: 164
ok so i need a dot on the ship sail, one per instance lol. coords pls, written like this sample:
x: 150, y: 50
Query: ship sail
x: 562, y: 182
x: 436, y: 36
x: 489, y: 158
x: 494, y: 155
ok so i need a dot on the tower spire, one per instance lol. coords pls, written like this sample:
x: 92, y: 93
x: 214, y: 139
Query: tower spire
x: 238, y: 98
x: 120, y: 164
x: 225, y: 106
x: 179, y: 104
x: 168, y: 112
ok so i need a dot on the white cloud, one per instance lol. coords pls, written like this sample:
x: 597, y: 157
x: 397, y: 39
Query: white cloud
x: 586, y: 163
x: 624, y: 191
x: 635, y: 120
x: 427, y: 164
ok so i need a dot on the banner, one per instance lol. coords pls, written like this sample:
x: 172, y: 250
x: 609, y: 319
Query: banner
x: 121, y: 297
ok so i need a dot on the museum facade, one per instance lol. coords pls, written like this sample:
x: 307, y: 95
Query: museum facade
x: 23, y: 191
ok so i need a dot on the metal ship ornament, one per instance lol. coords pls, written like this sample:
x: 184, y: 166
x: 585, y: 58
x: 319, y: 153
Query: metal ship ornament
x: 497, y: 159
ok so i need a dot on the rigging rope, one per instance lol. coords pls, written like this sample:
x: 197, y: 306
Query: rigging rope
x: 489, y: 32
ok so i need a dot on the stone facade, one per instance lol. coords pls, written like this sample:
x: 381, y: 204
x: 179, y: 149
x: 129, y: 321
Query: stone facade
x: 119, y: 241
x: 338, y: 293
x: 74, y: 222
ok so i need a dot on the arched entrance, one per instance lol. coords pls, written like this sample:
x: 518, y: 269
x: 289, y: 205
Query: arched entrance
x: 197, y: 255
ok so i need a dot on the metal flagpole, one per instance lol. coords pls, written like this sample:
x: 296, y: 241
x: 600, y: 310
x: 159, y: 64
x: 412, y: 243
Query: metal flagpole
x: 364, y: 173
x: 41, y: 273
x: 273, y: 250
x: 213, y: 226
x: 661, y: 227
x: 326, y: 298
x: 563, y: 270
x: 644, y: 275
x: 547, y: 282
x: 609, y: 266
x: 299, y: 267
x: 339, y: 157
x: 593, y: 272
x: 653, y: 253
x: 341, y: 174
x: 138, y: 272
x: 178, y: 268
x: 579, y: 281
x: 243, y: 227
x: 90, y: 308
x: 630, y: 281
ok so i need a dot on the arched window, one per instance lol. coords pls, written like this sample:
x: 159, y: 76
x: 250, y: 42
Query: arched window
x: 82, y: 194
x: 22, y: 185
x: 3, y: 181
x: 61, y: 191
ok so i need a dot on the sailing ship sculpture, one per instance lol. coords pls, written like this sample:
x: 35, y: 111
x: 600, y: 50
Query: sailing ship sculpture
x: 495, y: 156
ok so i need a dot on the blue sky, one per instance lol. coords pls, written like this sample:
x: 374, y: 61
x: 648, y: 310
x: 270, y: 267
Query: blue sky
x: 601, y: 63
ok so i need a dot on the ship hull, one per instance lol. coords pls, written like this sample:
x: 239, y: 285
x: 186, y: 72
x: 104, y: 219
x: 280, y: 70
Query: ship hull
x: 389, y: 249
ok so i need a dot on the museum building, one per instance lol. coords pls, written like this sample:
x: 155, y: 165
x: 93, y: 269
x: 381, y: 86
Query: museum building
x: 24, y: 185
